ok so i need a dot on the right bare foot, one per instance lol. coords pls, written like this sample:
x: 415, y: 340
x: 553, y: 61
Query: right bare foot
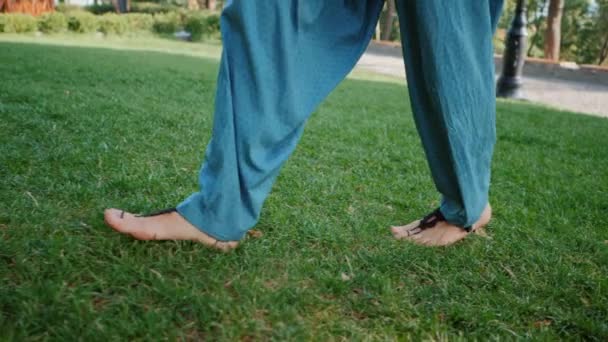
x: 437, y: 231
x: 168, y: 226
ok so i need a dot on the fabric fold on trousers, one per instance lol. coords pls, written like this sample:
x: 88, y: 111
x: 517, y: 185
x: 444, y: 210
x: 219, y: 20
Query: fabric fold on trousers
x: 281, y: 58
x: 449, y: 57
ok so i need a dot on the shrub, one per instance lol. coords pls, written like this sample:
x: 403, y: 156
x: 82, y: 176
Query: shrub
x: 202, y: 25
x: 100, y: 8
x: 213, y: 25
x: 82, y: 22
x: 167, y: 22
x: 139, y: 22
x: 151, y: 8
x: 111, y: 23
x: 196, y: 25
x: 18, y: 23
x: 52, y: 22
x: 65, y: 8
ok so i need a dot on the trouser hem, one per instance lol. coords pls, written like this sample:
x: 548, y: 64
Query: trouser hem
x: 191, y: 210
x: 456, y: 214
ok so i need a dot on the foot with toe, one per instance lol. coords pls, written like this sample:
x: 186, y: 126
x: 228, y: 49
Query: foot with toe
x: 168, y: 225
x: 434, y: 230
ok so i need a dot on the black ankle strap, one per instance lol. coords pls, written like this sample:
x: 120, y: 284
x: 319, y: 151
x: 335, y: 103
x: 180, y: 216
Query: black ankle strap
x: 431, y: 219
x: 435, y: 217
x: 160, y: 212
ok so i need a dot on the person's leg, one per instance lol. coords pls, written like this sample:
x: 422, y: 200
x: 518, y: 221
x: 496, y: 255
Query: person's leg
x: 448, y: 52
x: 281, y: 58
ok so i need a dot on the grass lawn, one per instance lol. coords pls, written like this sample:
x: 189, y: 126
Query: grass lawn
x: 82, y: 129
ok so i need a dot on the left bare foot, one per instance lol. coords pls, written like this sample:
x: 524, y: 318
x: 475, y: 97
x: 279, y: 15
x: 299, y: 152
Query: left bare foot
x: 168, y: 226
x: 433, y: 230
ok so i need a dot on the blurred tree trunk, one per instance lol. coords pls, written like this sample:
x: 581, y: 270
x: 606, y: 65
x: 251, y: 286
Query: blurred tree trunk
x: 603, y: 51
x: 536, y: 22
x: 387, y: 28
x: 602, y: 24
x: 212, y: 4
x: 554, y: 27
x: 122, y: 6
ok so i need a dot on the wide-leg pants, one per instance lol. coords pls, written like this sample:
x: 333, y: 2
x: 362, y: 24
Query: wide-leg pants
x: 281, y: 58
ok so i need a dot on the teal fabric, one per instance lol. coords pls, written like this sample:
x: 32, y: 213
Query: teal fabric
x: 281, y: 58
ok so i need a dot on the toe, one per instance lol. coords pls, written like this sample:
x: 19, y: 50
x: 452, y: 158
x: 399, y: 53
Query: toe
x: 402, y: 232
x: 396, y: 231
x: 418, y: 239
x: 226, y: 246
x: 115, y: 219
x: 111, y: 215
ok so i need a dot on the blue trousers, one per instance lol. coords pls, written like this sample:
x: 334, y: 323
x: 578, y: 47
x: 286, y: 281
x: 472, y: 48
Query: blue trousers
x: 281, y: 58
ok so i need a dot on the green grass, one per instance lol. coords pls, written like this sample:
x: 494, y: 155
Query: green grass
x: 83, y: 129
x: 138, y: 41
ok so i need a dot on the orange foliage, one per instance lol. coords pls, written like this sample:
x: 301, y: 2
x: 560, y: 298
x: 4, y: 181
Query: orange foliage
x: 33, y: 7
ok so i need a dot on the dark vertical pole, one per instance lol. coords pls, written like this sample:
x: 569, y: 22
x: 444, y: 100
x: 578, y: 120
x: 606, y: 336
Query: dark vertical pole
x: 510, y: 82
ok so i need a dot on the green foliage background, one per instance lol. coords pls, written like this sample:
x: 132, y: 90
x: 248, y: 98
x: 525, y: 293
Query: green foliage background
x: 584, y: 28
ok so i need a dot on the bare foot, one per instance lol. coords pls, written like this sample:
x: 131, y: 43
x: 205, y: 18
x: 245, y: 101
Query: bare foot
x: 169, y: 226
x: 433, y: 230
